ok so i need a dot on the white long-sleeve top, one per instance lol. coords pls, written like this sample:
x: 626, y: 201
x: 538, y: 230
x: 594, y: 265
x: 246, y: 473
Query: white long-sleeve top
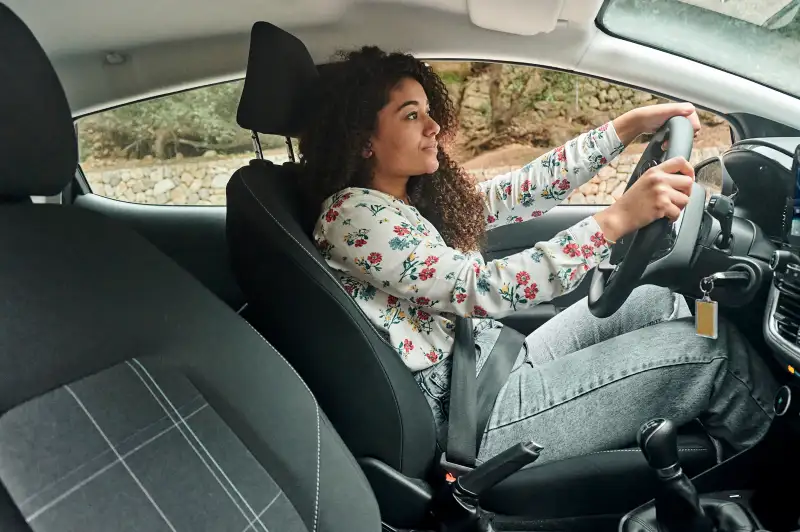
x: 396, y: 266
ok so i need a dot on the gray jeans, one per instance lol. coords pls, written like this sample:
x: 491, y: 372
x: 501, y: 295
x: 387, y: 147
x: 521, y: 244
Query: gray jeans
x: 583, y: 384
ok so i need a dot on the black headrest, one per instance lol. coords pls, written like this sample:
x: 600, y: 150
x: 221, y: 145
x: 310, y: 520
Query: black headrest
x: 279, y: 84
x: 38, y: 148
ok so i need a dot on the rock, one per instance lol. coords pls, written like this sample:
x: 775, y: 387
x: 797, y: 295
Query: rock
x: 136, y: 187
x: 160, y: 199
x: 115, y: 179
x: 602, y: 96
x: 187, y: 178
x: 577, y: 198
x: 207, y: 181
x: 590, y: 200
x: 204, y: 202
x: 196, y: 185
x: 602, y: 187
x: 210, y: 153
x: 204, y: 193
x: 613, y: 94
x: 177, y: 195
x: 641, y: 97
x: 140, y: 197
x: 594, y: 103
x: 217, y: 199
x: 595, y: 180
x: 606, y: 173
x: 157, y: 173
x: 624, y: 168
x: 120, y: 189
x: 220, y: 181
x: 588, y: 189
x: 192, y: 199
x: 129, y: 195
x: 612, y: 183
x: 163, y: 186
x: 617, y: 193
x: 106, y: 177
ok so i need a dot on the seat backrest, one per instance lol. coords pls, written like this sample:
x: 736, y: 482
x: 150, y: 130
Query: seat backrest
x: 131, y: 398
x: 295, y: 300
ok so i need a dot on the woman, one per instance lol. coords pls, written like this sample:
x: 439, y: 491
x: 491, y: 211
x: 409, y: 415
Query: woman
x: 402, y: 225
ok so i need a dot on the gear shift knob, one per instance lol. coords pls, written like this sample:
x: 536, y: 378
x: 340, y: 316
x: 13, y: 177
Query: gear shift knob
x: 658, y: 440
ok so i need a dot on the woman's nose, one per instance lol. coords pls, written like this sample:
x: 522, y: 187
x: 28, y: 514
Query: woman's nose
x: 432, y: 128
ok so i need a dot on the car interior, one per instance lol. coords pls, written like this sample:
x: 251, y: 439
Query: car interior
x: 106, y: 316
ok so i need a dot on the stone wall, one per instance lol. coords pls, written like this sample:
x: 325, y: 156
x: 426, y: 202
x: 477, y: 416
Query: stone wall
x: 203, y: 181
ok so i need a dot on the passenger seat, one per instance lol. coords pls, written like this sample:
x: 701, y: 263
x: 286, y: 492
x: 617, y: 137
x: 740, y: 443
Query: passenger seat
x: 131, y: 398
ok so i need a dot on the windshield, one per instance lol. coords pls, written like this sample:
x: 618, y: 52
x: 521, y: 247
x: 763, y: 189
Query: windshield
x: 756, y: 39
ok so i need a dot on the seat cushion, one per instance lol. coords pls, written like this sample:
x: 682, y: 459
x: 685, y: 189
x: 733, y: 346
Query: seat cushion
x: 605, y: 482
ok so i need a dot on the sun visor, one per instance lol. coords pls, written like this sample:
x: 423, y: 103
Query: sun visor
x: 531, y: 17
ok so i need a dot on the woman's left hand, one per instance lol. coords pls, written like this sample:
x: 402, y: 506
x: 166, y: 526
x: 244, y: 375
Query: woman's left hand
x: 648, y: 119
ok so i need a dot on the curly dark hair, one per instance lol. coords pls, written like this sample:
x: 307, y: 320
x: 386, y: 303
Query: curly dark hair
x: 351, y: 93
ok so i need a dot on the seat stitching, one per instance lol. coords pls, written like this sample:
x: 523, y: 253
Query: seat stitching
x: 685, y: 449
x: 166, y: 405
x: 316, y: 406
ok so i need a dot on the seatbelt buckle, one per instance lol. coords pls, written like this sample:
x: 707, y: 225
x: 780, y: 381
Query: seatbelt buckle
x: 452, y: 471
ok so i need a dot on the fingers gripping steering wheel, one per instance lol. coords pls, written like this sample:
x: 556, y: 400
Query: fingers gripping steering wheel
x: 614, y: 280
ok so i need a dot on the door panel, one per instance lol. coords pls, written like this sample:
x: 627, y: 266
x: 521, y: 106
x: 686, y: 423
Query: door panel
x: 514, y: 238
x: 194, y: 237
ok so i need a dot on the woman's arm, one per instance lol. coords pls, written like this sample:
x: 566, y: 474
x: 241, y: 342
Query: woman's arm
x: 545, y: 182
x: 407, y: 261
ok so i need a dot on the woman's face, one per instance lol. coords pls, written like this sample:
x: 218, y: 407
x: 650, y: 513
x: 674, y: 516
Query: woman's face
x: 404, y: 143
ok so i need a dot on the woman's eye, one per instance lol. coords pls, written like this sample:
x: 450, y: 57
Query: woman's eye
x: 412, y: 116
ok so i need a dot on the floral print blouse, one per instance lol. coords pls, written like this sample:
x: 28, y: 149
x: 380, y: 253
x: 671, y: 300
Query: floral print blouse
x: 396, y: 266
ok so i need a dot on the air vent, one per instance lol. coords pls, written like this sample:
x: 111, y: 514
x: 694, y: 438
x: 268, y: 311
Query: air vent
x: 787, y: 311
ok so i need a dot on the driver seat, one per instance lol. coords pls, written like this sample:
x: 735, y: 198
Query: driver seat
x: 357, y: 376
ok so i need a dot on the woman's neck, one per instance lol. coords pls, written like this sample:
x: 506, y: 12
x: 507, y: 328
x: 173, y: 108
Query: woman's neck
x: 396, y: 187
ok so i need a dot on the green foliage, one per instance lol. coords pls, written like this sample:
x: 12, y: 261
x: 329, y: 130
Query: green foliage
x: 190, y: 121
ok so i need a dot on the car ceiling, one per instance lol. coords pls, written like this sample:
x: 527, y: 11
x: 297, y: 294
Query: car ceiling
x: 171, y: 44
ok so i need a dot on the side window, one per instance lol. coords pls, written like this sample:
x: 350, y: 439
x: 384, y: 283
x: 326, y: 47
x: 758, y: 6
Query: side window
x: 511, y: 114
x: 178, y: 149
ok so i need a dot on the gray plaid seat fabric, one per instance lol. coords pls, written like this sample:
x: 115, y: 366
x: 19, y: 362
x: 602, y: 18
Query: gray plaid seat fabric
x: 136, y: 441
x: 131, y: 397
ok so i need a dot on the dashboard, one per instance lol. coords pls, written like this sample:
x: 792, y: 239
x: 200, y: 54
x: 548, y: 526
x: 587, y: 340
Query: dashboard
x: 762, y: 176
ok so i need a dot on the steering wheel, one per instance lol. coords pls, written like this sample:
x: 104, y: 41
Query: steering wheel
x: 673, y: 244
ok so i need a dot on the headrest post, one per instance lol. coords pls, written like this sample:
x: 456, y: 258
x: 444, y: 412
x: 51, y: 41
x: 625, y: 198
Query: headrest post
x: 290, y: 149
x: 257, y: 145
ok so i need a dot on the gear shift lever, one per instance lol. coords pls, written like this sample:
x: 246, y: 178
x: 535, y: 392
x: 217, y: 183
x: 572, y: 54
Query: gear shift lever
x: 677, y: 503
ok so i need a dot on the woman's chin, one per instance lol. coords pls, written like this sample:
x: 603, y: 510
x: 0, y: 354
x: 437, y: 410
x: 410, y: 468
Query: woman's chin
x: 431, y: 166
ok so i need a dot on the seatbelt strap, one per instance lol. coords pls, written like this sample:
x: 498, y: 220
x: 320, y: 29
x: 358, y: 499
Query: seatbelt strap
x: 472, y: 400
x: 494, y: 374
x: 463, y: 411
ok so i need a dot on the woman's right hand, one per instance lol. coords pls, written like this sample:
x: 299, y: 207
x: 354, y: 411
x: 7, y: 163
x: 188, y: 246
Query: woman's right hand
x: 661, y: 192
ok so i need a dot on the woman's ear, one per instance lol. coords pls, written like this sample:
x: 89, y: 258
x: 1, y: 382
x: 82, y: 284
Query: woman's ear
x: 367, y: 151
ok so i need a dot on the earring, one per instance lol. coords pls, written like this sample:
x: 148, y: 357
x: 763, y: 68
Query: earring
x: 367, y: 152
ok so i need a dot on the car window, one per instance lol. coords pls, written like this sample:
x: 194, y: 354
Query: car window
x: 178, y: 149
x: 182, y: 148
x: 511, y: 114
